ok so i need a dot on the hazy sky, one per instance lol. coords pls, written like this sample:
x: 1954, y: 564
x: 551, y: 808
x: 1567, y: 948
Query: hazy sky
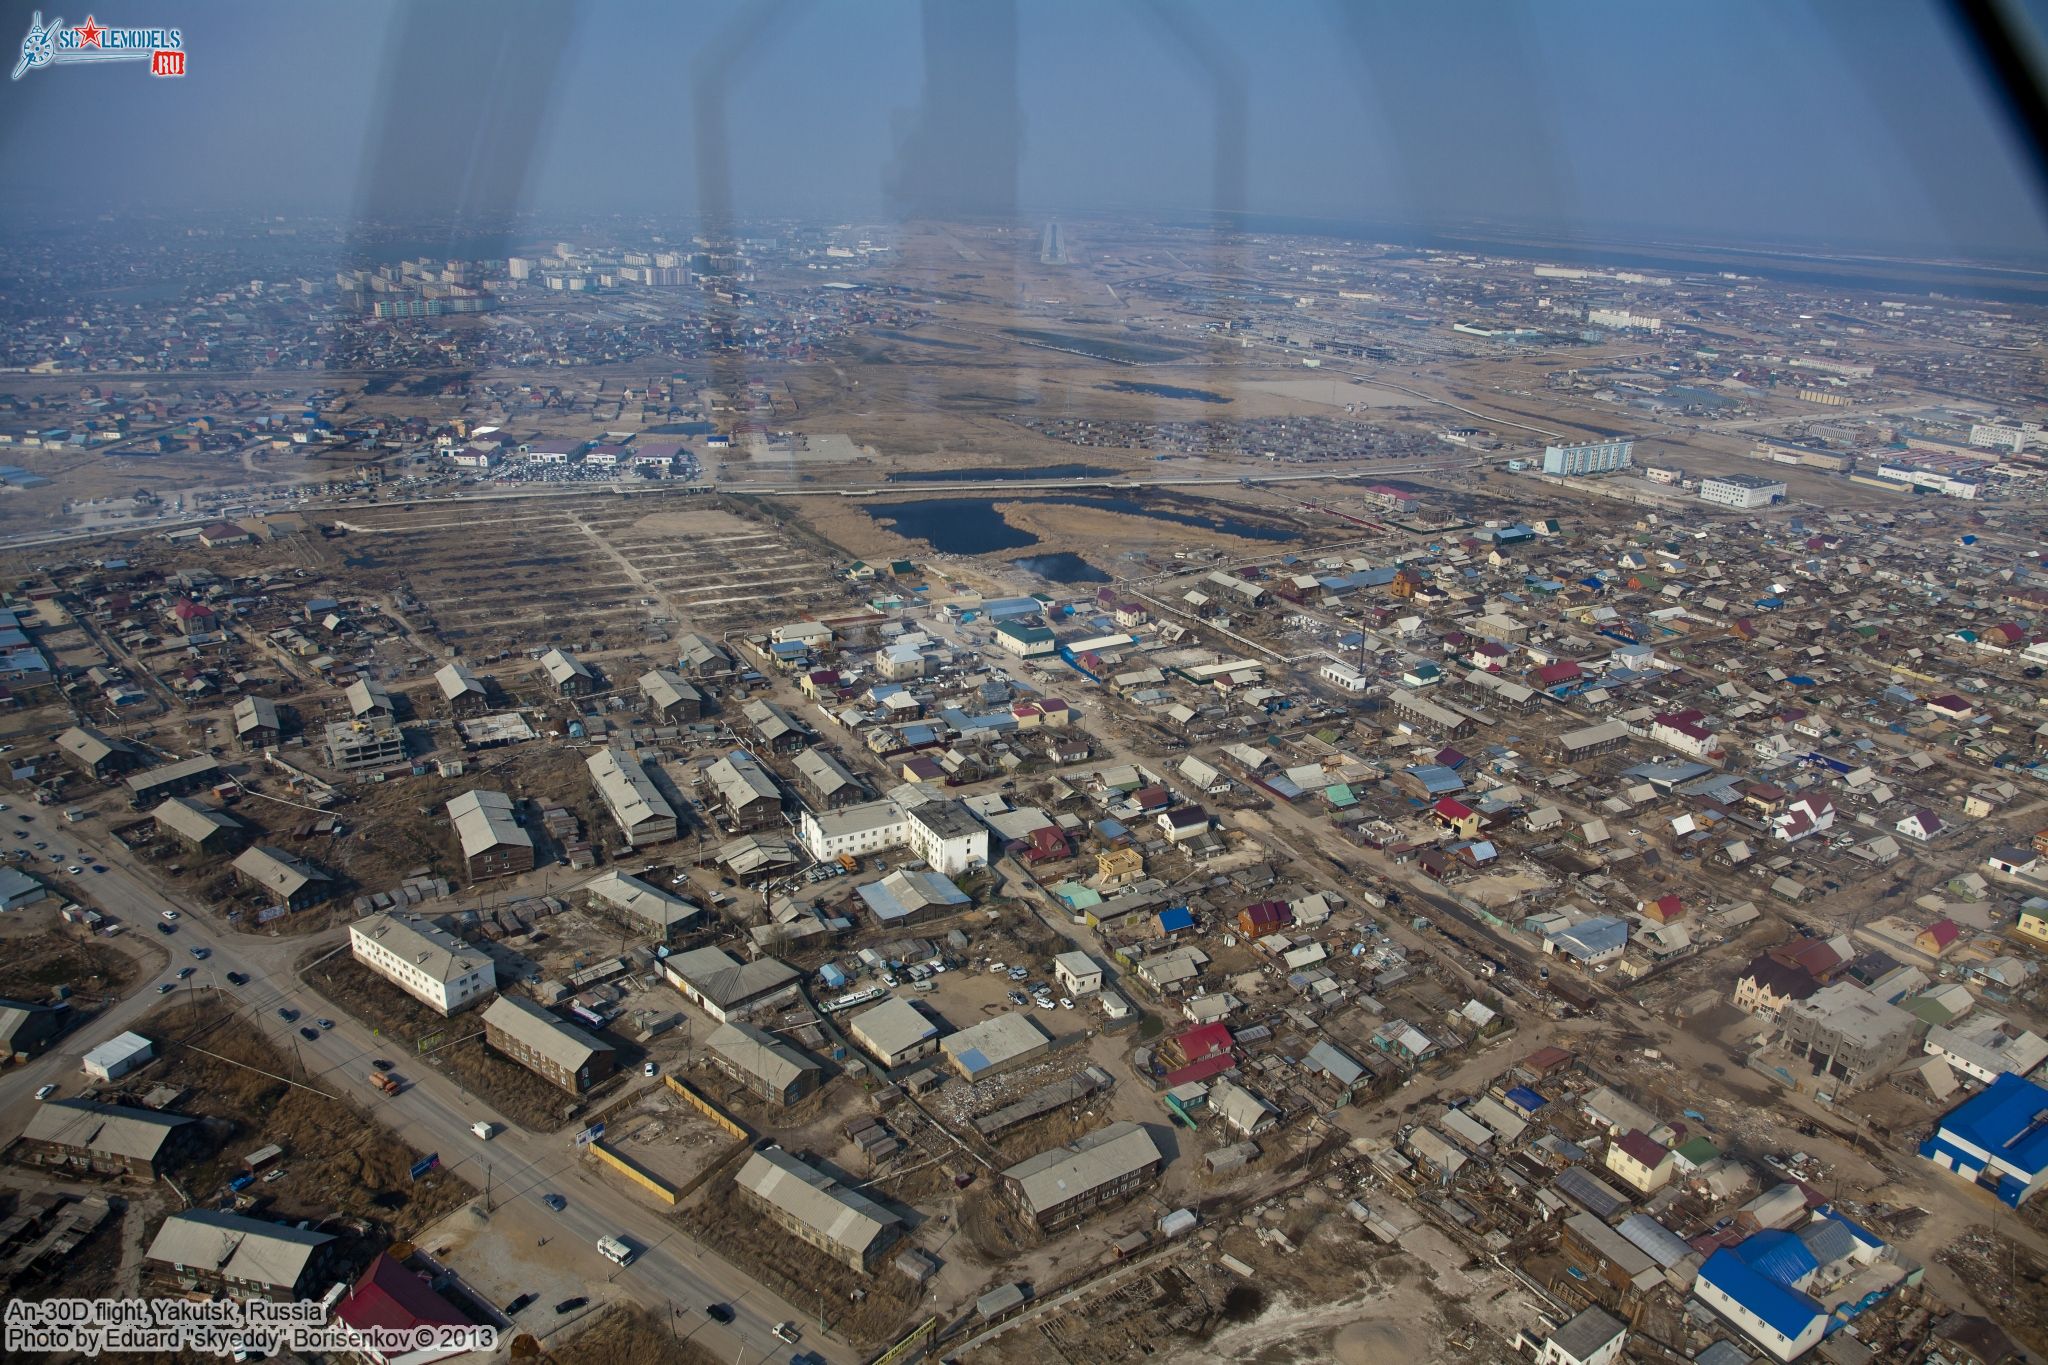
x: 1840, y: 124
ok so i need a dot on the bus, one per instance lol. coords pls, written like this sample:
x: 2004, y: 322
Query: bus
x: 615, y: 1250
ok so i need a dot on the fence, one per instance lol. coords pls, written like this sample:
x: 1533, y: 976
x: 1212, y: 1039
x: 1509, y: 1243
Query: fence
x: 660, y: 1189
x: 704, y: 1106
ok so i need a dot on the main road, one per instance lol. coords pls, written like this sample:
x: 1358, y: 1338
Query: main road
x: 432, y: 1114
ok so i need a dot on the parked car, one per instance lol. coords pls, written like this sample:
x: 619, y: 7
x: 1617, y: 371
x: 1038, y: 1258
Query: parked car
x: 311, y: 1035
x: 44, y: 1092
x: 167, y: 928
x: 166, y: 988
x: 288, y: 1015
x: 184, y: 972
x: 513, y: 1308
x: 571, y: 1305
x: 170, y: 915
x: 648, y: 1069
x: 202, y: 953
x: 237, y: 979
x: 324, y: 1023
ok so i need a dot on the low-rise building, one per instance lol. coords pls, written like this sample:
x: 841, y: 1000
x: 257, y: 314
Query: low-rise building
x: 286, y: 880
x: 1741, y: 490
x: 995, y: 1044
x: 637, y: 806
x: 1998, y: 1139
x: 662, y: 914
x: 182, y: 778
x: 743, y: 792
x: 567, y: 674
x: 1850, y: 1038
x: 813, y: 1207
x: 98, y: 755
x: 423, y: 960
x: 202, y: 827
x: 557, y: 1052
x: 493, y: 843
x: 895, y: 1032
x: 766, y: 1067
x: 671, y: 696
x: 83, y: 1136
x: 1060, y: 1187
x: 206, y: 1251
x: 724, y: 987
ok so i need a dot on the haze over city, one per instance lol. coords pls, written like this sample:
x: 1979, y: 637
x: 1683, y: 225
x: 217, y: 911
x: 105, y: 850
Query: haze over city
x: 846, y: 684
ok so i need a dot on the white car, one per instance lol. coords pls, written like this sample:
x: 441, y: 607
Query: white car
x: 647, y: 1070
x: 171, y: 915
x: 1066, y: 1002
x: 44, y: 1092
x: 1044, y: 1002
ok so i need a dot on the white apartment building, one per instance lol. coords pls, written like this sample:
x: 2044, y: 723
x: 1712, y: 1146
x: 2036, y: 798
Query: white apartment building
x: 1589, y: 457
x: 942, y: 833
x: 426, y: 962
x: 1740, y: 490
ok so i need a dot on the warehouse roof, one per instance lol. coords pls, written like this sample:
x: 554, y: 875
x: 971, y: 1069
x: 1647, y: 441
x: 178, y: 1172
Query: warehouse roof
x: 993, y: 1042
x: 724, y: 980
x: 892, y: 1027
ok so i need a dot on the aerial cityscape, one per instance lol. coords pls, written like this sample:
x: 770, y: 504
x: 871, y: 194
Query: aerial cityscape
x: 684, y: 784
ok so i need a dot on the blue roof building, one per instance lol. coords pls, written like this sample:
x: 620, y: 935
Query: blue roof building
x: 1176, y: 920
x: 1998, y: 1138
x: 1743, y: 1284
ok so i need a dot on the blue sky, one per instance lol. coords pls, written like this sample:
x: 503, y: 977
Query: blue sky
x: 1838, y: 125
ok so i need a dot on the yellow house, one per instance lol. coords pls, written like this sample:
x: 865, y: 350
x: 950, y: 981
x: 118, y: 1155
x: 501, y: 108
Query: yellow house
x: 1641, y: 1161
x: 2034, y: 921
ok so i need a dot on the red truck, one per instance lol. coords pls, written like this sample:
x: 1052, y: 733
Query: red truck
x: 390, y: 1085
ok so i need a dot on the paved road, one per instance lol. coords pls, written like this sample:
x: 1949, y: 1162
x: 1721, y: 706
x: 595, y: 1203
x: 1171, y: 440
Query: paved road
x: 433, y: 1114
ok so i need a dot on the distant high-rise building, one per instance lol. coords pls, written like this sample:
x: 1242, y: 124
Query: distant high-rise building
x: 1589, y: 457
x: 1052, y: 248
x: 520, y: 267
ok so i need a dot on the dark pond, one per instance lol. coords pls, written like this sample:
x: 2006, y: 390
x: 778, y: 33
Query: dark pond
x: 972, y: 526
x: 1164, y: 391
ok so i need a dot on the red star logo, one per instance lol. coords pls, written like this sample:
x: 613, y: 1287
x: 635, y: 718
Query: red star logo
x: 89, y: 33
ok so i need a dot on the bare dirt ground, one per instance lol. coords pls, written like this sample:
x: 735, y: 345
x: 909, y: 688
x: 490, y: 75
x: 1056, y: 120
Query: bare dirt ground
x: 41, y: 953
x: 624, y: 1332
x: 506, y: 1086
x: 800, y: 1273
x: 339, y: 1163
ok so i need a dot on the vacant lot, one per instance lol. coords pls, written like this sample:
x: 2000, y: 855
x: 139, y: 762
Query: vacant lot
x: 805, y: 1276
x: 457, y: 1045
x: 39, y: 952
x: 628, y: 1333
x: 339, y: 1163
